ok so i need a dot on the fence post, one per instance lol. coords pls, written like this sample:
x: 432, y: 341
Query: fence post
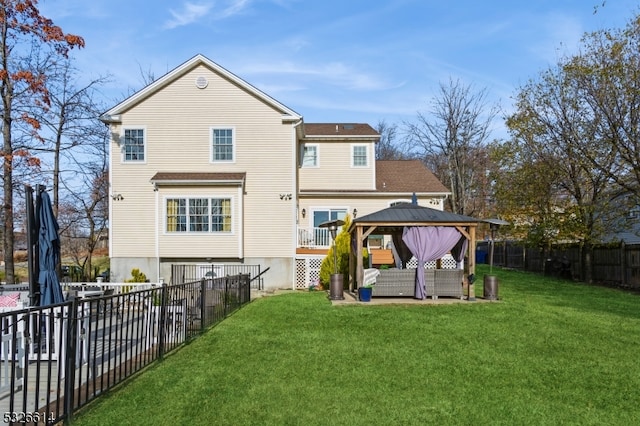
x: 623, y: 263
x: 70, y: 361
x: 162, y: 321
x: 226, y: 296
x: 246, y: 286
x: 203, y: 299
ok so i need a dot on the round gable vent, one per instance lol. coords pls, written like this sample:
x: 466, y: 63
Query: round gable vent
x: 201, y: 82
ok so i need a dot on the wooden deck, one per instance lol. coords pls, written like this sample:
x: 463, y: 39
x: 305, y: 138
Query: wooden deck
x: 108, y: 355
x: 312, y: 251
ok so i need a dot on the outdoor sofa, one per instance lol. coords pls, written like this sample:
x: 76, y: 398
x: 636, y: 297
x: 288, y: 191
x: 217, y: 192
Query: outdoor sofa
x: 401, y: 282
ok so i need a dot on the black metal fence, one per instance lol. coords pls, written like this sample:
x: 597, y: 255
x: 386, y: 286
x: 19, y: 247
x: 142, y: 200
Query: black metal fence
x: 617, y: 265
x: 188, y: 273
x: 56, y: 359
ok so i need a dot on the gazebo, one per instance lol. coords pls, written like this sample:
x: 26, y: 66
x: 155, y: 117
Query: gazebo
x: 449, y: 232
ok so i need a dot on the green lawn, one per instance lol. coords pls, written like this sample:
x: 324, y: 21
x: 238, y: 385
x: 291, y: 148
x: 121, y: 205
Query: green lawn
x: 550, y: 352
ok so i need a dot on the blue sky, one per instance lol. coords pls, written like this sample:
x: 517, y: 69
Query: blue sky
x: 337, y: 61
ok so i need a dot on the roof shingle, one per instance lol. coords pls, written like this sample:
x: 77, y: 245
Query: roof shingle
x: 196, y: 177
x: 406, y: 176
x: 339, y: 129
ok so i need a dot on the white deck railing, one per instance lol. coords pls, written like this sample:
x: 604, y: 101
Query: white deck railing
x: 314, y: 237
x: 118, y: 288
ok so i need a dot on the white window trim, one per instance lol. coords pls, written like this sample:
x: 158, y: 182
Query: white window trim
x: 193, y: 233
x: 353, y: 148
x: 399, y: 201
x: 317, y: 165
x: 314, y: 209
x: 122, y: 145
x: 233, y: 141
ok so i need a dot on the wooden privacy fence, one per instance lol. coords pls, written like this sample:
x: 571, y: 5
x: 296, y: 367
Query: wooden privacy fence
x: 617, y: 265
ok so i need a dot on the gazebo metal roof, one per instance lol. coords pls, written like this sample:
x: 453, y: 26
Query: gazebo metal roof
x: 407, y: 214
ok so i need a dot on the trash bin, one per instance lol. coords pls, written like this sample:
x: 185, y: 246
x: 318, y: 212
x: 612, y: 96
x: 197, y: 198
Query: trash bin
x: 336, y: 287
x: 481, y: 256
x: 490, y: 291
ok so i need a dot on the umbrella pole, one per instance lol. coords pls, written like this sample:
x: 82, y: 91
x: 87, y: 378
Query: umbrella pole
x: 32, y: 244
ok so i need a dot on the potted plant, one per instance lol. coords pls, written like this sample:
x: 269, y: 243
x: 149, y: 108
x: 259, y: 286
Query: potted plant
x: 364, y: 292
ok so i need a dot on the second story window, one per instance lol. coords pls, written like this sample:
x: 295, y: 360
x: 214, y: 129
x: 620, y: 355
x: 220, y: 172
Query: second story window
x: 359, y: 156
x: 222, y: 145
x: 309, y: 156
x: 133, y: 147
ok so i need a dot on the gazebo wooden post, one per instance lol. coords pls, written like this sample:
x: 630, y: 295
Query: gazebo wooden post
x: 352, y: 266
x: 471, y: 293
x: 358, y: 254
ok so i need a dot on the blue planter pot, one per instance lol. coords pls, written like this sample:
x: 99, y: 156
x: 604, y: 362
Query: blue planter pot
x: 364, y: 294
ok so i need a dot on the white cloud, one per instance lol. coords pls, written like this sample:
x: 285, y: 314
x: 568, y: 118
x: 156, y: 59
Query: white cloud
x: 234, y: 8
x: 332, y: 73
x: 189, y: 13
x: 192, y: 12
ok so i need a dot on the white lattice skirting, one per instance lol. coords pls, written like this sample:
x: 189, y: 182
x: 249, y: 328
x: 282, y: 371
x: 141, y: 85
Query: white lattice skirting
x: 308, y: 268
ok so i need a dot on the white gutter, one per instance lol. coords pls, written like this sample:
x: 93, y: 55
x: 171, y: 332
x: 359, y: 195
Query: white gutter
x: 157, y: 242
x: 241, y: 222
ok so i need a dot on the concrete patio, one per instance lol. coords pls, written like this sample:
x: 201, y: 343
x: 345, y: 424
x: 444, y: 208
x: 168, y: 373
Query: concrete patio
x: 352, y: 298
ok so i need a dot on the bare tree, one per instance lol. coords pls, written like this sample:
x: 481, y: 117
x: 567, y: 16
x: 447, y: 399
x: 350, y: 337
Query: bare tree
x: 451, y: 137
x: 84, y: 216
x: 21, y: 28
x: 71, y: 127
x: 387, y: 147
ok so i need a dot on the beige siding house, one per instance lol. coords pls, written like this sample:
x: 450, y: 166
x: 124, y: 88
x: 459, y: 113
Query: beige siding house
x: 205, y: 168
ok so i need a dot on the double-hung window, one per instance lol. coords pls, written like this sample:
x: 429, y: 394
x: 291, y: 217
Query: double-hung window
x: 309, y: 156
x: 177, y: 215
x: 198, y: 215
x: 359, y: 155
x: 220, y: 215
x: 133, y: 148
x: 222, y: 145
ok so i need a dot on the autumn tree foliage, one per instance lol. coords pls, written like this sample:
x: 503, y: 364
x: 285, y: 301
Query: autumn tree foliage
x: 574, y: 158
x: 23, y: 30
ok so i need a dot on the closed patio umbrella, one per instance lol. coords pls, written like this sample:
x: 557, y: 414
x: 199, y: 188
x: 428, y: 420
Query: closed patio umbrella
x: 32, y: 244
x: 49, y: 252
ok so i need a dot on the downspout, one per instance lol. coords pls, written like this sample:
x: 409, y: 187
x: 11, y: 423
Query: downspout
x: 157, y: 242
x: 110, y: 200
x: 294, y: 205
x: 241, y: 219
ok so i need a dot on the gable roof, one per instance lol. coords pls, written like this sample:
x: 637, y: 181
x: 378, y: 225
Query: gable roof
x: 407, y: 214
x: 113, y: 114
x: 406, y: 176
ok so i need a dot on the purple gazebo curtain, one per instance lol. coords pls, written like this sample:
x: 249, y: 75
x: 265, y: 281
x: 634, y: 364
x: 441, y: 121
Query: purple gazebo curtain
x: 428, y: 243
